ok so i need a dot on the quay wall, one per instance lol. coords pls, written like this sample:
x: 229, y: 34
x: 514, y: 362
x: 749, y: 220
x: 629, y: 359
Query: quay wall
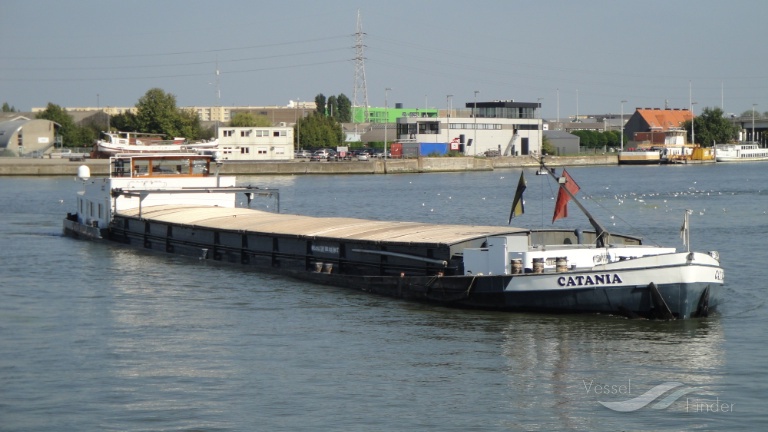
x: 100, y: 167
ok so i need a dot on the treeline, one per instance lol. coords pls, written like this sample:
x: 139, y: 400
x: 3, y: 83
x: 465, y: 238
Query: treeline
x: 599, y: 140
x: 156, y: 112
x: 322, y: 127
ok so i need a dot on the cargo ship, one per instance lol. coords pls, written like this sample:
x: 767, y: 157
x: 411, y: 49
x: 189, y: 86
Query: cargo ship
x: 172, y: 203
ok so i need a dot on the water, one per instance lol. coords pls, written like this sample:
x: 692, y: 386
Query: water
x: 96, y: 337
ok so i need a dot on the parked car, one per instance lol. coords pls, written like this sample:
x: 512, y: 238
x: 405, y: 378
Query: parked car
x: 303, y: 154
x: 320, y: 155
x: 362, y: 156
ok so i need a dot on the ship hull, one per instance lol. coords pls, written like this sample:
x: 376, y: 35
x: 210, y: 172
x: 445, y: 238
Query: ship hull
x: 630, y: 289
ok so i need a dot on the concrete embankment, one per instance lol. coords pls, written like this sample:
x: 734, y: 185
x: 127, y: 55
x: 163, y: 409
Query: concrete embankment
x: 100, y: 167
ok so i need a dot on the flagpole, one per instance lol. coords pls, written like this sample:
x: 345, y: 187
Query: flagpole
x: 600, y: 231
x: 687, y: 230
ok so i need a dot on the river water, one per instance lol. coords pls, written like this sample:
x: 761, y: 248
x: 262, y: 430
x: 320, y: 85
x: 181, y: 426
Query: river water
x: 96, y: 337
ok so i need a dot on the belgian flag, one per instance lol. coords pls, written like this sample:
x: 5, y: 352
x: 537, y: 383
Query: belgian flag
x: 518, y: 204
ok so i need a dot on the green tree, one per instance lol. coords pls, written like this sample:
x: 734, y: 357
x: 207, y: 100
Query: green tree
x: 344, y: 109
x: 248, y: 119
x: 546, y: 146
x: 758, y: 114
x: 124, y: 122
x: 333, y: 107
x: 156, y: 112
x: 585, y: 138
x: 316, y: 131
x: 711, y: 127
x: 70, y: 133
x: 614, y: 138
x: 8, y: 108
x: 320, y: 104
x: 189, y: 125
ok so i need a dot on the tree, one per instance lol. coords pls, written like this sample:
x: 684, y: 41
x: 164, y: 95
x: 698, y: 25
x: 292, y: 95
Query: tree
x: 320, y: 104
x: 248, y: 119
x: 317, y: 131
x: 586, y: 138
x: 189, y: 124
x: 711, y: 127
x: 344, y: 109
x: 156, y: 112
x: 614, y: 138
x: 333, y: 107
x: 8, y: 108
x: 70, y: 134
x: 757, y: 114
x: 123, y: 122
x: 546, y: 146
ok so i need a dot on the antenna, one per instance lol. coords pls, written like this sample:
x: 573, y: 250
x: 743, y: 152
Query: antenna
x: 361, y: 88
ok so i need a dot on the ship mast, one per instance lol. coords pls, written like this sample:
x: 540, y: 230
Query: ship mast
x: 600, y: 230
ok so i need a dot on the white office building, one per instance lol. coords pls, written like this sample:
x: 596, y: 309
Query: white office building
x: 255, y: 143
x: 506, y: 128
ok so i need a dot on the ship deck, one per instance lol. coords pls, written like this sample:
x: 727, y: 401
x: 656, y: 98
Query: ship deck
x: 257, y: 221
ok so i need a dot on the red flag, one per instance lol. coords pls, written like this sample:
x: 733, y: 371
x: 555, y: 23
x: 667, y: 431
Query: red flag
x: 561, y: 206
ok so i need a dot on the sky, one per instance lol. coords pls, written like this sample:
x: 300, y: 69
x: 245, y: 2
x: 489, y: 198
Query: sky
x: 574, y: 57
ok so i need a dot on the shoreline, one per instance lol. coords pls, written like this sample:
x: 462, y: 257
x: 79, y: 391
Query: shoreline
x: 100, y: 167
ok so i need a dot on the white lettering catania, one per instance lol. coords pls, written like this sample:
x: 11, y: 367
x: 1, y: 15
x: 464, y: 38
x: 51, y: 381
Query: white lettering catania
x: 589, y: 280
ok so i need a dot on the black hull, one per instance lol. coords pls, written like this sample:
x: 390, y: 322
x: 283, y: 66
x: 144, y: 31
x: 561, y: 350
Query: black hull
x: 476, y: 292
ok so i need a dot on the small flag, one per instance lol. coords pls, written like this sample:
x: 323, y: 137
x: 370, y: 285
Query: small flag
x: 518, y: 204
x: 561, y: 205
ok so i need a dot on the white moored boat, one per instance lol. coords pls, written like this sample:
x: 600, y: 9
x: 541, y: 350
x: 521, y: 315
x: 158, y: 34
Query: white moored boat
x: 137, y: 142
x: 170, y: 203
x: 743, y: 152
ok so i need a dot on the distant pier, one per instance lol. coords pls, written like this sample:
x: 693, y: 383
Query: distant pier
x: 100, y: 167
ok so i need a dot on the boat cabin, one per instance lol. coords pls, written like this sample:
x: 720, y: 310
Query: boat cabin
x: 160, y: 165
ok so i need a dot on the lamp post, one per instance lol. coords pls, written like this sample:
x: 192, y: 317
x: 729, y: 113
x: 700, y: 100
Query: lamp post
x: 693, y: 121
x: 541, y: 135
x: 298, y: 125
x: 474, y: 114
x: 622, y: 124
x: 753, y: 122
x: 577, y: 105
x: 386, y: 119
x: 449, y: 99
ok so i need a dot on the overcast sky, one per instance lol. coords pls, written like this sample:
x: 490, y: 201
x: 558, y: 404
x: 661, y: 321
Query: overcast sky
x: 592, y: 54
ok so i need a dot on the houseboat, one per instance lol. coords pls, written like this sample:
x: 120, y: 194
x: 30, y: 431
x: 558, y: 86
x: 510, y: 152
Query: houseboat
x: 743, y: 152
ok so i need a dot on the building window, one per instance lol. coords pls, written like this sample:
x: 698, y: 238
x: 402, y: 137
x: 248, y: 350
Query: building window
x: 245, y: 133
x: 429, y: 128
x: 261, y: 150
x: 228, y: 133
x: 245, y: 150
